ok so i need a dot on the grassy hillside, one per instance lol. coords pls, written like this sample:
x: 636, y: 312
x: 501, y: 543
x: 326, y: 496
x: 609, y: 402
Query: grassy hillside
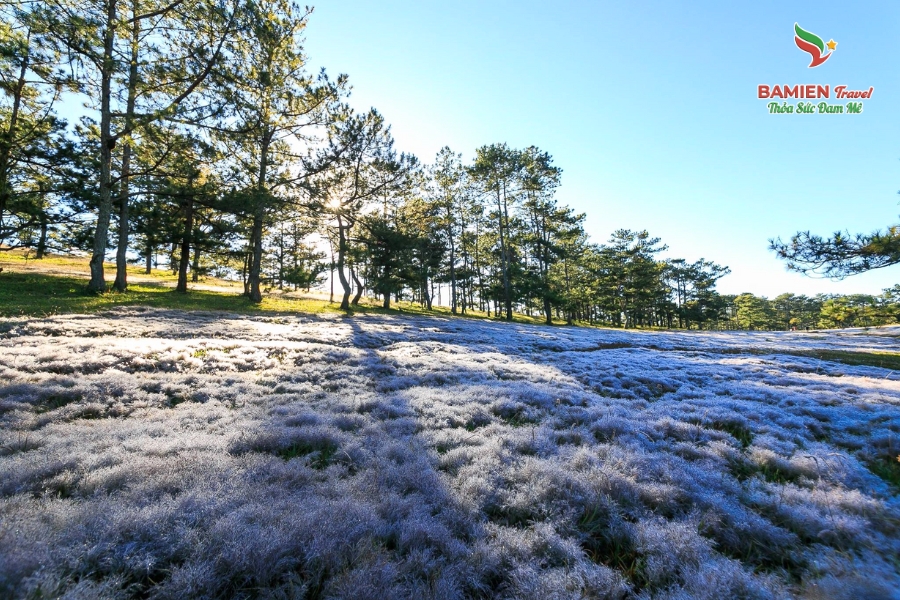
x: 58, y: 285
x: 173, y: 454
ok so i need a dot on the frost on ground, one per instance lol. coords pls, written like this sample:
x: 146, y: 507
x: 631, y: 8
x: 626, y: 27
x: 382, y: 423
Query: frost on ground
x: 176, y: 455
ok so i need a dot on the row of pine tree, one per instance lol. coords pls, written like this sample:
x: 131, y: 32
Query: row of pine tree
x: 207, y: 146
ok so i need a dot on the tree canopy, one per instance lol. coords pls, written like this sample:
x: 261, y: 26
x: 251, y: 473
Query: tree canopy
x: 841, y: 255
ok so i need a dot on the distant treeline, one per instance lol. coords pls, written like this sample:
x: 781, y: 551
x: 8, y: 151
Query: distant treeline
x: 210, y: 149
x: 828, y: 311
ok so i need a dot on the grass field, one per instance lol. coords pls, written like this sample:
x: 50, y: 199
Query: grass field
x: 157, y: 445
x: 58, y: 285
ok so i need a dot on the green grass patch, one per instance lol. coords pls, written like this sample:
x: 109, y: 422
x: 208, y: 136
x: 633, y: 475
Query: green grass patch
x: 775, y: 474
x: 743, y: 469
x: 23, y: 443
x: 759, y: 554
x: 520, y: 517
x: 515, y: 416
x: 871, y: 358
x: 885, y: 360
x: 320, y: 453
x: 56, y: 401
x: 888, y: 468
x: 40, y: 295
x: 611, y: 546
x: 19, y: 260
x: 442, y: 447
x: 33, y: 293
x: 737, y: 430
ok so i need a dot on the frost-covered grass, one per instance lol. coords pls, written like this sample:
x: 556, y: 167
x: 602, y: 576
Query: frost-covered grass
x: 166, y: 454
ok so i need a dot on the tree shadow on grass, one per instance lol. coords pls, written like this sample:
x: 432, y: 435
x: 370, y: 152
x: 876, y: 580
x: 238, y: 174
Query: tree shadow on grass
x: 392, y: 458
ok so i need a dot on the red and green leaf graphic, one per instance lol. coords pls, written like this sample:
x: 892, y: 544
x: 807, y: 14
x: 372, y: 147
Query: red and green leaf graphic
x: 813, y: 44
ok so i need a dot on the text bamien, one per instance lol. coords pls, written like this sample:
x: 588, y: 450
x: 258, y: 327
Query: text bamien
x: 810, y: 91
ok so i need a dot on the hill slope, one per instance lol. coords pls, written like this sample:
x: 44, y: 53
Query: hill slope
x: 174, y: 454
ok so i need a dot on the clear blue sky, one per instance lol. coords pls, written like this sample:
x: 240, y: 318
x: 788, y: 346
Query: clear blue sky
x: 651, y: 111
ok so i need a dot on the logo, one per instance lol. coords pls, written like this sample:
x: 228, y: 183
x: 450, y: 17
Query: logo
x: 778, y: 95
x: 813, y: 44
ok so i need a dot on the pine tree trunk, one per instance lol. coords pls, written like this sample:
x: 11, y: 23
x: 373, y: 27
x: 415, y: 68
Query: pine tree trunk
x: 121, y: 282
x: 281, y: 257
x: 255, y: 293
x: 244, y: 272
x: 503, y: 255
x: 342, y: 253
x: 253, y: 280
x: 452, y: 260
x: 185, y: 246
x: 195, y: 265
x: 107, y: 143
x: 42, y: 241
x: 359, y: 287
x: 331, y: 248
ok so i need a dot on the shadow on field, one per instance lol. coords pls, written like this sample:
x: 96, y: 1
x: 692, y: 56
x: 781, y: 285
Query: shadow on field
x: 154, y: 453
x: 353, y: 497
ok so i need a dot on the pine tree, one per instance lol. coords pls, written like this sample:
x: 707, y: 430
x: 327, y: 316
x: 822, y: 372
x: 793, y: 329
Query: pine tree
x: 273, y: 108
x: 102, y: 38
x: 363, y: 167
x: 33, y: 148
x: 497, y: 168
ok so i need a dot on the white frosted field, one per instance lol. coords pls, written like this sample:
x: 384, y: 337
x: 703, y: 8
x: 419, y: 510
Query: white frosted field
x: 161, y: 454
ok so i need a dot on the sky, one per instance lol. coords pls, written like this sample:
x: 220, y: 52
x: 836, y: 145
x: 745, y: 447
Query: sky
x: 651, y: 111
